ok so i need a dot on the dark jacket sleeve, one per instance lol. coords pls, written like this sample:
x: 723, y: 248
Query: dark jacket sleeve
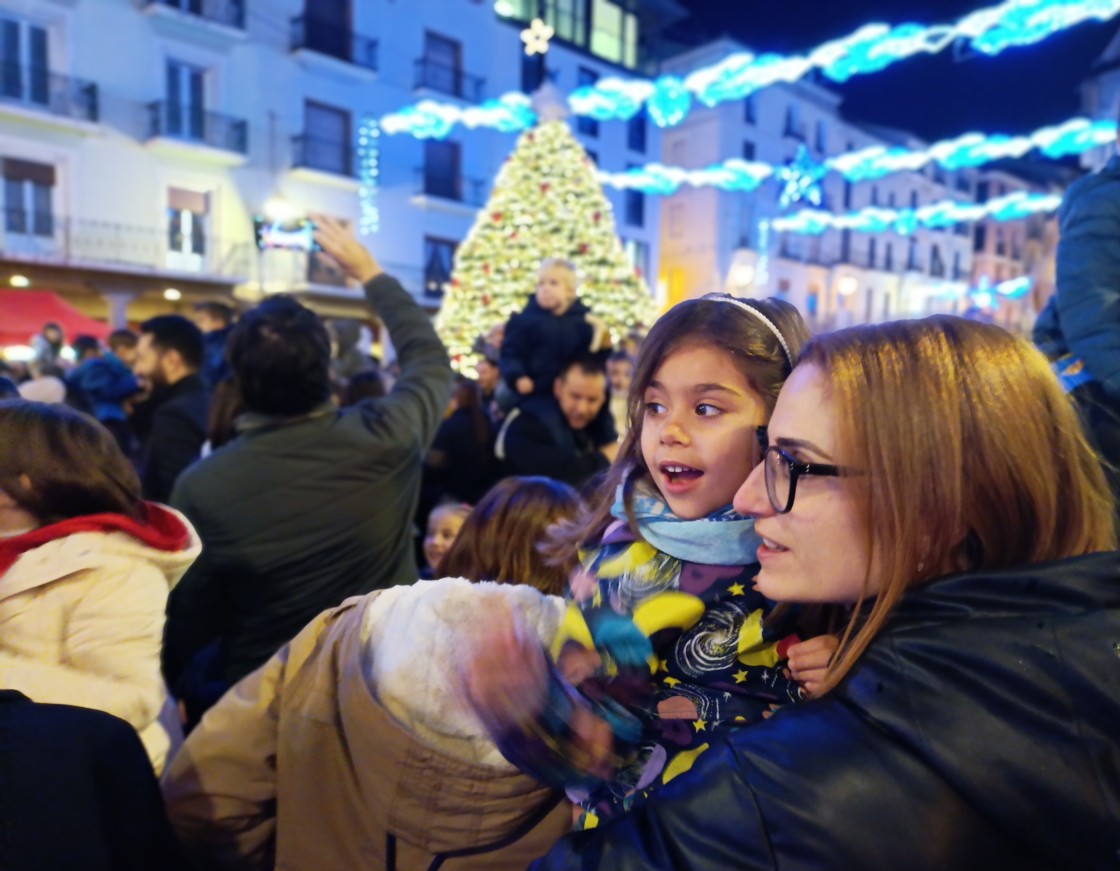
x: 516, y: 352
x: 173, y: 444
x: 531, y: 449
x: 1088, y: 279
x: 415, y: 406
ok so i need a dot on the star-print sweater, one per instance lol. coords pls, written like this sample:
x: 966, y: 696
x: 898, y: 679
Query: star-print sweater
x: 669, y: 653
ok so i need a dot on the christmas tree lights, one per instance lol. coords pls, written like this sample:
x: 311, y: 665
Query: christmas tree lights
x: 546, y: 202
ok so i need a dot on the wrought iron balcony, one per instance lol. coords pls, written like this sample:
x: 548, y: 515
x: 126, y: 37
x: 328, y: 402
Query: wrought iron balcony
x: 448, y: 79
x: 228, y: 12
x: 193, y: 124
x: 454, y: 187
x: 40, y: 89
x: 326, y: 37
x: 324, y: 155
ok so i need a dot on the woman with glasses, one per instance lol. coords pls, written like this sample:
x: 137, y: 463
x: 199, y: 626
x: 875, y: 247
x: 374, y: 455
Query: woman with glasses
x: 932, y: 477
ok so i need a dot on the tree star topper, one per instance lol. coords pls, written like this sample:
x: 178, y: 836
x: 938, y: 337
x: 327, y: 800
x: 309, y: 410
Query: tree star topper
x: 536, y: 37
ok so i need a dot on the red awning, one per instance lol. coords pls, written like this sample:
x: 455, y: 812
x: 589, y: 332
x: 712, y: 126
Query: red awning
x: 23, y: 313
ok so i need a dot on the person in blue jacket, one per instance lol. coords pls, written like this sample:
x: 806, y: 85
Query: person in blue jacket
x: 104, y: 381
x: 1080, y: 327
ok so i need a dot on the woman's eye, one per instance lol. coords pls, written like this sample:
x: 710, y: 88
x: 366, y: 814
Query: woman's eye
x: 654, y: 408
x: 704, y: 409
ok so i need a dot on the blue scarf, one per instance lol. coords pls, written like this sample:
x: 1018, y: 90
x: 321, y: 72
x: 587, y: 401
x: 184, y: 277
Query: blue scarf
x: 723, y: 538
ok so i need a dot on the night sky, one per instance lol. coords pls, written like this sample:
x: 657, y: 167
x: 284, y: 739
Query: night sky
x: 934, y: 96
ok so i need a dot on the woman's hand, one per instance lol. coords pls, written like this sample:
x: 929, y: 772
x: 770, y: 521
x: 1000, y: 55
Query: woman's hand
x: 505, y: 676
x: 808, y: 661
x: 343, y: 247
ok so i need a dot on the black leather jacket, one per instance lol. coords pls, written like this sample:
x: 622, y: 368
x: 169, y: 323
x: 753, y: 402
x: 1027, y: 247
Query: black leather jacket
x: 980, y: 730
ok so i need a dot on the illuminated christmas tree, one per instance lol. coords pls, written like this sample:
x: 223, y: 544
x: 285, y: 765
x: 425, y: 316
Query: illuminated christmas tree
x: 546, y: 202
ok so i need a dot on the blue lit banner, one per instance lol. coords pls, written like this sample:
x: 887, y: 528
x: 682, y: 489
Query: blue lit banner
x: 871, y: 48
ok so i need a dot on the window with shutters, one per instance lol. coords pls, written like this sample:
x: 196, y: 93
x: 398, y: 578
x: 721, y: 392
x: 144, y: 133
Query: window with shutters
x: 188, y: 215
x: 28, y: 198
x: 24, y: 62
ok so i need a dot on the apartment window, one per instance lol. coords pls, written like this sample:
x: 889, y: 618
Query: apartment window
x: 750, y: 110
x: 614, y: 34
x: 793, y: 122
x: 326, y: 138
x: 634, y: 209
x: 982, y: 191
x: 846, y: 246
x: 24, y: 67
x: 28, y: 195
x: 874, y: 196
x: 569, y: 18
x: 443, y: 64
x: 1001, y: 242
x: 912, y: 256
x: 869, y: 305
x: 638, y: 254
x: 636, y: 130
x: 956, y: 265
x: 822, y: 137
x: 584, y: 125
x: 913, y: 199
x: 328, y: 27
x: 847, y: 194
x: 748, y: 150
x: 188, y: 214
x: 676, y: 221
x: 186, y: 102
x: 442, y: 162
x: 888, y: 257
x: 962, y: 183
x: 439, y: 257
x: 980, y: 243
x: 532, y: 72
x: 936, y: 264
x: 872, y: 252
x: 892, y: 200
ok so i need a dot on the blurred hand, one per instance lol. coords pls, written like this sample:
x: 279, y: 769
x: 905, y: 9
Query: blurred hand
x: 343, y: 247
x: 505, y: 676
x: 808, y: 661
x: 524, y: 385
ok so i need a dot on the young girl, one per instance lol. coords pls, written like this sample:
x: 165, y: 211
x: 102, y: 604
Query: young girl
x: 444, y: 524
x: 666, y: 638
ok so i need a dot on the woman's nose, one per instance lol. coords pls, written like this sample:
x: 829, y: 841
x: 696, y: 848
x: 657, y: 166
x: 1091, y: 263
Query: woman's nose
x: 751, y: 497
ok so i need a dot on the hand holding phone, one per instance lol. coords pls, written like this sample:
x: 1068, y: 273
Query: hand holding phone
x: 340, y: 244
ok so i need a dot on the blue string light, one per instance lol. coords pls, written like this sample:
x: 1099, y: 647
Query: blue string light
x: 1012, y: 207
x: 971, y: 150
x: 369, y: 171
x: 869, y: 49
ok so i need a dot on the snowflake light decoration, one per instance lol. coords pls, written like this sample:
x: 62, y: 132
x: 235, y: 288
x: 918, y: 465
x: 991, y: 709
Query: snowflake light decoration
x: 536, y: 37
x: 801, y: 180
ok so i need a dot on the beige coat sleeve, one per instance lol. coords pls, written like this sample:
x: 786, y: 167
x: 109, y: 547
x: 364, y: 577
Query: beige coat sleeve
x: 112, y: 630
x: 220, y: 789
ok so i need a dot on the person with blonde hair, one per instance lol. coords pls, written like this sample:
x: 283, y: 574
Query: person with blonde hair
x: 932, y: 477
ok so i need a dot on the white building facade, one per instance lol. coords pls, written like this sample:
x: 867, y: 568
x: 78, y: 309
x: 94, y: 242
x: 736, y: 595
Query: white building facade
x: 139, y: 139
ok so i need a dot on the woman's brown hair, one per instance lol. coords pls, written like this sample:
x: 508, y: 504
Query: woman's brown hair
x: 972, y: 458
x: 74, y: 466
x: 712, y: 322
x: 500, y: 540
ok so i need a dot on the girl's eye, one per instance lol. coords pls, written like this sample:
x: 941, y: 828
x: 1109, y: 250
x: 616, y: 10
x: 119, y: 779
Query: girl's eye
x: 704, y: 409
x: 653, y: 408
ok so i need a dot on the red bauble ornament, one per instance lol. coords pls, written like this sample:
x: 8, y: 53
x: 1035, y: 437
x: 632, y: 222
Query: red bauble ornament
x: 486, y: 268
x: 597, y: 217
x: 583, y: 248
x: 486, y: 299
x: 496, y: 216
x: 545, y: 188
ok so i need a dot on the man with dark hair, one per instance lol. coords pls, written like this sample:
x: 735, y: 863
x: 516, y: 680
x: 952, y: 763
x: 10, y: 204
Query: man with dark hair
x: 100, y: 384
x: 569, y: 435
x: 215, y: 319
x: 168, y: 358
x: 310, y: 504
x: 1080, y: 327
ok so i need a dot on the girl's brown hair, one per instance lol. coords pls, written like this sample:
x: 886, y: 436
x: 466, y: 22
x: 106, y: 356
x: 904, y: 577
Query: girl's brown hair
x: 972, y: 458
x: 74, y: 466
x: 711, y: 322
x: 500, y: 540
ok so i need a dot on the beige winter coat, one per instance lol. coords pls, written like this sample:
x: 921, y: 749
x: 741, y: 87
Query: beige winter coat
x: 81, y: 623
x: 351, y: 748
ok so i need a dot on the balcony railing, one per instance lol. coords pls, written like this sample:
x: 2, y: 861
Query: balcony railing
x: 38, y: 88
x: 456, y: 188
x: 326, y: 37
x: 325, y: 155
x: 54, y: 239
x: 448, y: 79
x: 193, y: 124
x: 228, y: 12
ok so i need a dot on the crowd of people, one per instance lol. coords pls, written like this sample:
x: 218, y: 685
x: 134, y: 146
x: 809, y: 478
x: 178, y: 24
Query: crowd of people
x: 730, y: 596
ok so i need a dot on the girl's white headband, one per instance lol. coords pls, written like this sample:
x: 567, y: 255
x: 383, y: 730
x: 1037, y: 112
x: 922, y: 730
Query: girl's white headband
x: 718, y: 297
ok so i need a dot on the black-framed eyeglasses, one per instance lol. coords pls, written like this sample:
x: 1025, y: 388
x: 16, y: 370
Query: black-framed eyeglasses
x: 782, y: 472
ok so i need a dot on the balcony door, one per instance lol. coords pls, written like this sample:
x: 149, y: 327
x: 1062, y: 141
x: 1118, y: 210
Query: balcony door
x: 24, y: 66
x: 186, y: 101
x: 442, y: 173
x: 327, y: 132
x: 443, y: 64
